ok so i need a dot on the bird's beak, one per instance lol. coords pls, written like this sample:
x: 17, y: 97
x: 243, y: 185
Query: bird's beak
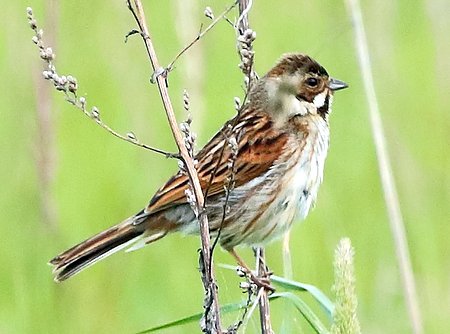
x: 336, y: 84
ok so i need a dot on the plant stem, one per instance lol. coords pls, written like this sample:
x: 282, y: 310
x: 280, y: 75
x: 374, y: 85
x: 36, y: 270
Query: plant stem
x: 212, y: 311
x: 385, y: 169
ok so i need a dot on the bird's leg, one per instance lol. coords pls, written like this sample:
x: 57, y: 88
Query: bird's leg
x: 266, y: 272
x: 262, y: 282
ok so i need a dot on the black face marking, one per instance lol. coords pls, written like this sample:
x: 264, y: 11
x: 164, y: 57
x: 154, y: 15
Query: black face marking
x: 323, y: 110
x: 317, y: 69
x: 323, y: 71
x: 305, y: 192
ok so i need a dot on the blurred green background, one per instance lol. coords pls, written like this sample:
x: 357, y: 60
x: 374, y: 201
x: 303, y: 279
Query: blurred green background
x: 64, y: 179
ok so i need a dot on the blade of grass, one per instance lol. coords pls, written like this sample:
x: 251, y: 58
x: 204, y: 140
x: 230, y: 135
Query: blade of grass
x: 385, y: 169
x: 195, y: 317
x: 318, y: 295
x: 304, y: 309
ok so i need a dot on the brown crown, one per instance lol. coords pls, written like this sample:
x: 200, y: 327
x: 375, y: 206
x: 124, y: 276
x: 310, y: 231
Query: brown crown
x: 291, y: 63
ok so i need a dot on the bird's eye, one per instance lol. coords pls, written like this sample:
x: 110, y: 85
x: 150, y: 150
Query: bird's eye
x: 312, y: 82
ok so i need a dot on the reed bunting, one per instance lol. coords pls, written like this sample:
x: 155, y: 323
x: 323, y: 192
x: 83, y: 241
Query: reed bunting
x: 273, y: 152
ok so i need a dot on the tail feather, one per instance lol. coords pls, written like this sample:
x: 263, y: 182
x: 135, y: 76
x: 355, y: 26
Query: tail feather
x: 96, y: 248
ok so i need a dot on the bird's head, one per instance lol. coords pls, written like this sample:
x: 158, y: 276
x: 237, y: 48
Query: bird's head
x: 297, y: 86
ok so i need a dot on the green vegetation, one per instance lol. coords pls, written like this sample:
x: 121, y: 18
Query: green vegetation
x: 97, y: 180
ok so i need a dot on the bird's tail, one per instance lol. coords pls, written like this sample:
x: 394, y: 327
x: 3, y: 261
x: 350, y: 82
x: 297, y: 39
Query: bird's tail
x: 96, y: 248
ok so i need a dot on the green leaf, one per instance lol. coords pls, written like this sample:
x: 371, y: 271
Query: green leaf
x: 304, y: 309
x: 195, y: 317
x: 318, y: 295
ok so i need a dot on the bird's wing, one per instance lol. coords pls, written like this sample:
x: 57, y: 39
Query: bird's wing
x: 257, y: 146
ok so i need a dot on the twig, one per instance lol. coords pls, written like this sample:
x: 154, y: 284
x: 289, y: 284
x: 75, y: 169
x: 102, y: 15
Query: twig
x: 232, y: 142
x: 200, y: 35
x: 251, y: 309
x: 245, y: 39
x: 246, y: 36
x: 211, y: 319
x: 244, y: 9
x: 264, y: 309
x: 68, y: 84
x: 384, y: 165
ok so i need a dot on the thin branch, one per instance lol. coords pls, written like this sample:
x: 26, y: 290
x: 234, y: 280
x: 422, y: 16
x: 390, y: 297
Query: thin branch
x: 68, y: 84
x: 251, y: 309
x: 264, y: 309
x: 80, y: 103
x: 200, y: 35
x: 246, y: 36
x: 245, y: 39
x: 385, y: 169
x: 230, y: 182
x: 211, y: 320
x: 244, y: 9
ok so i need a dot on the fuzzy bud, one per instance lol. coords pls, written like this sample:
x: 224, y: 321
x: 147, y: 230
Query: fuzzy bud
x: 73, y: 85
x: 181, y: 166
x: 184, y: 127
x: 240, y: 271
x: 47, y: 75
x: 237, y: 103
x: 62, y: 80
x: 244, y: 285
x: 131, y: 136
x: 249, y: 35
x: 186, y: 100
x: 33, y: 24
x: 54, y: 76
x: 95, y: 113
x: 83, y: 102
x: 244, y: 52
x: 191, y: 200
x: 209, y: 13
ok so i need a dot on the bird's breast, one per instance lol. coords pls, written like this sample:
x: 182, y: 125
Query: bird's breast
x: 302, y: 180
x: 289, y: 188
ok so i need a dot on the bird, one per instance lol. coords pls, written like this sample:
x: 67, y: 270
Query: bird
x: 259, y: 173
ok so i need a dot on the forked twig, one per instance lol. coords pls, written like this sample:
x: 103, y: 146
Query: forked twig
x: 200, y: 35
x: 68, y: 84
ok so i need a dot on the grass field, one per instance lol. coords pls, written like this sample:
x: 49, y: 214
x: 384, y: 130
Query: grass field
x: 64, y: 178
